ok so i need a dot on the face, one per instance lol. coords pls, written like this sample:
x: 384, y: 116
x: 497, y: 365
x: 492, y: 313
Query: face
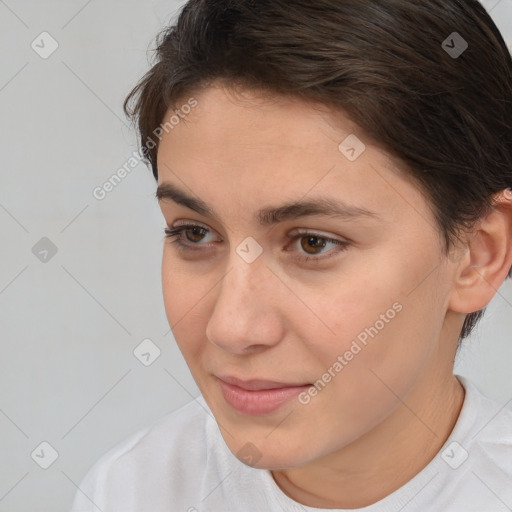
x: 297, y: 323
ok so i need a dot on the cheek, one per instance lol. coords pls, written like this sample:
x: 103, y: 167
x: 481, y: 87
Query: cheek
x: 377, y: 322
x: 185, y: 297
x: 351, y: 308
x: 385, y: 338
x: 176, y: 291
x: 184, y: 284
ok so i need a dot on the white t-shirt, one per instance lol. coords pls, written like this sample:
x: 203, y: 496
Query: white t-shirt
x: 181, y: 464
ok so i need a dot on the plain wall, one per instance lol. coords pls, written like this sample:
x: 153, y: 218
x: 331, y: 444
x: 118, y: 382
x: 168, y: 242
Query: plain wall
x: 69, y: 325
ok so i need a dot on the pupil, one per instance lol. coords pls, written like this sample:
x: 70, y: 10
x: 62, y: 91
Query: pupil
x: 196, y: 232
x: 315, y: 242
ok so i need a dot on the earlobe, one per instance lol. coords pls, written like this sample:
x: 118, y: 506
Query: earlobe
x: 487, y: 262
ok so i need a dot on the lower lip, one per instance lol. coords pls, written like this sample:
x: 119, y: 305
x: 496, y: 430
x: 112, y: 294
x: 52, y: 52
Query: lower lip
x: 256, y: 403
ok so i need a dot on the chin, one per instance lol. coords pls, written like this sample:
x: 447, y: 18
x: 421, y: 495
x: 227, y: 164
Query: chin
x: 273, y: 454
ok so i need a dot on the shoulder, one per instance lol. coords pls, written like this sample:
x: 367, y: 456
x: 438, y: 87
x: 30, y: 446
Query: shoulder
x: 487, y: 445
x: 492, y: 431
x: 491, y: 418
x: 164, y: 438
x: 153, y: 464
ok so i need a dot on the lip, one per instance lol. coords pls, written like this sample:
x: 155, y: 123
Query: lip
x: 257, y: 397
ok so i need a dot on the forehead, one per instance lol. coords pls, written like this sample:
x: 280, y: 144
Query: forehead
x: 245, y: 149
x: 262, y: 115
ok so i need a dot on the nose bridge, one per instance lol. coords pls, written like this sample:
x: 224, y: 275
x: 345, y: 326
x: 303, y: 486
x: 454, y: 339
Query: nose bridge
x: 245, y: 311
x: 247, y: 274
x: 244, y: 287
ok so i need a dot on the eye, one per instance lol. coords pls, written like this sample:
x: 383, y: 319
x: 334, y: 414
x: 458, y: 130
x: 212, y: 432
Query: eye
x: 187, y: 235
x: 308, y: 245
x: 311, y: 245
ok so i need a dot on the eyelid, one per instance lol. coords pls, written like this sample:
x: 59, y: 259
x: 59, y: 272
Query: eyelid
x: 291, y: 234
x: 294, y: 235
x: 314, y: 232
x: 190, y: 223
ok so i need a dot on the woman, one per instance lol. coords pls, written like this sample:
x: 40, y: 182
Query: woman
x: 335, y: 179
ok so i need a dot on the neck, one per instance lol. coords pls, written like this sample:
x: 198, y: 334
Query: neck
x: 379, y: 462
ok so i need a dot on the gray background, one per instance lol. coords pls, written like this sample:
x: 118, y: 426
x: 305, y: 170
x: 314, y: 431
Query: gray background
x: 69, y: 325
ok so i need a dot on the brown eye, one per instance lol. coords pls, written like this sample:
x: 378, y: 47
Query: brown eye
x: 198, y: 234
x: 313, y: 244
x: 189, y: 235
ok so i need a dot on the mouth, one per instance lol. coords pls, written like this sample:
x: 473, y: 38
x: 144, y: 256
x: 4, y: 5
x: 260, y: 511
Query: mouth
x: 258, y: 397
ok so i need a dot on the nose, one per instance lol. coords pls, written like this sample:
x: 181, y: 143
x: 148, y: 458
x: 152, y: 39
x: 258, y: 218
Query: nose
x: 246, y: 316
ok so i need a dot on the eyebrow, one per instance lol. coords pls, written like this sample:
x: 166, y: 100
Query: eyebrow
x: 271, y: 215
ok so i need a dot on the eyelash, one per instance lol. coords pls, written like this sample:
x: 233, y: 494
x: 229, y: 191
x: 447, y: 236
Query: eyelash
x: 178, y: 231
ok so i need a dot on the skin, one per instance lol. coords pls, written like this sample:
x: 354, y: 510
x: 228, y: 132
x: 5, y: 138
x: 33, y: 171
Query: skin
x: 392, y: 407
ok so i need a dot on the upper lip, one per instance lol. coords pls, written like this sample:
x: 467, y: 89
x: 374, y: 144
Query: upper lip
x: 258, y: 384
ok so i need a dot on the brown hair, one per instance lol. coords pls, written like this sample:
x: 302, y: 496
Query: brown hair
x: 387, y: 64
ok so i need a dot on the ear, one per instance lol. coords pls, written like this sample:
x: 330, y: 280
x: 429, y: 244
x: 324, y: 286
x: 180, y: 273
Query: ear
x: 487, y: 260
